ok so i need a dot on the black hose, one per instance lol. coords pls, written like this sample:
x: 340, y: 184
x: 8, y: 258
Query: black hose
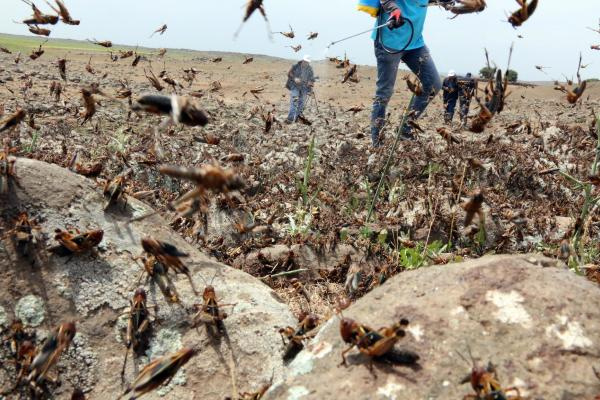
x: 392, y: 51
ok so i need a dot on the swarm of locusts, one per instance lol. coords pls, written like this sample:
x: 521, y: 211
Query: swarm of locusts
x: 203, y: 182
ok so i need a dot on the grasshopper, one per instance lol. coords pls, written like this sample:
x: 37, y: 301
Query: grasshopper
x: 138, y: 327
x: 157, y: 372
x: 296, y: 337
x: 373, y: 343
x: 115, y: 189
x: 522, y: 14
x: 169, y: 256
x: 56, y: 342
x: 484, y: 382
x: 64, y: 13
x: 70, y: 244
x: 158, y: 273
x: 209, y: 312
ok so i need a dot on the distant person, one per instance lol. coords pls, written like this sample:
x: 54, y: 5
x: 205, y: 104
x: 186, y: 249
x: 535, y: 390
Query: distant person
x: 396, y: 43
x: 466, y: 91
x: 450, y: 87
x: 301, y: 80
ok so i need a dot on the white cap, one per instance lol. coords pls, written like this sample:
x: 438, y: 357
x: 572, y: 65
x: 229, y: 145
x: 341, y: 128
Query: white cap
x: 451, y: 73
x: 307, y: 58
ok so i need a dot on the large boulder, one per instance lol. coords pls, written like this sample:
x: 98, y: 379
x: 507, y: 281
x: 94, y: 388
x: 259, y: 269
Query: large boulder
x: 537, y: 322
x: 95, y: 290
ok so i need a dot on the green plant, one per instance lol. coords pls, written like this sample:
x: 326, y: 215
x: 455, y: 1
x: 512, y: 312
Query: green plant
x: 119, y: 142
x: 590, y: 201
x: 303, y: 186
x: 419, y: 255
x: 33, y: 145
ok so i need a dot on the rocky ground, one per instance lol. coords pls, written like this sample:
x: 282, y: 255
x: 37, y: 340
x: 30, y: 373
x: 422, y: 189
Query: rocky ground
x: 299, y: 223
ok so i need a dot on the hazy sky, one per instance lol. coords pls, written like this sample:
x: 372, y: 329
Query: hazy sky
x: 553, y: 37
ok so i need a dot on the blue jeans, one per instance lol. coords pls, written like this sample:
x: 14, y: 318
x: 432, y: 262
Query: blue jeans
x: 421, y: 64
x: 450, y: 105
x: 297, y: 103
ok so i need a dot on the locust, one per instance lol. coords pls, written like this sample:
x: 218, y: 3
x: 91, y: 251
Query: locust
x: 90, y: 105
x: 207, y: 177
x: 466, y: 7
x: 312, y: 35
x: 158, y: 273
x: 38, y: 17
x: 373, y: 343
x: 162, y: 52
x: 138, y: 327
x: 77, y: 394
x: 209, y: 312
x: 216, y: 59
x: 573, y: 95
x: 104, y: 43
x: 251, y: 7
x: 35, y: 54
x: 255, y: 92
x: 289, y: 34
x: 5, y: 50
x: 157, y: 372
x: 36, y: 30
x: 136, y: 60
x: 89, y: 68
x: 13, y: 120
x: 115, y: 189
x: 169, y: 256
x: 254, y: 395
x: 62, y: 68
x: 125, y: 54
x: 523, y: 13
x: 415, y: 87
x: 64, y: 13
x: 296, y: 48
x: 447, y: 136
x: 56, y: 342
x: 56, y: 90
x: 268, y: 118
x: 26, y: 234
x: 8, y: 175
x: 154, y: 80
x: 356, y: 109
x: 70, y: 243
x: 296, y: 336
x: 181, y: 109
x: 484, y: 382
x: 350, y: 74
x: 160, y: 30
x: 248, y: 60
x: 473, y: 206
x: 90, y: 170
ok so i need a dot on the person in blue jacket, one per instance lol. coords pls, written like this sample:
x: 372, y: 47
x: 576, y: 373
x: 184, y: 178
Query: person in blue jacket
x: 450, y: 95
x: 300, y: 82
x: 397, y: 43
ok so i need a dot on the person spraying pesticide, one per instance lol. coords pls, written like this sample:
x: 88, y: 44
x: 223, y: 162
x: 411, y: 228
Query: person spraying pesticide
x: 398, y: 37
x: 301, y: 80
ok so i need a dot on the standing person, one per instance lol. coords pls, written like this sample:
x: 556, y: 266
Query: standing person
x: 450, y: 87
x: 301, y: 80
x: 395, y: 43
x: 466, y: 91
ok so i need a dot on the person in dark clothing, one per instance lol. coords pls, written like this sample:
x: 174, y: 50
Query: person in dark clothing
x: 466, y: 91
x: 301, y: 80
x: 450, y: 87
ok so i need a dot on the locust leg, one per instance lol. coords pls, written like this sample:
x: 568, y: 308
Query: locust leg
x: 344, y: 355
x: 124, y: 364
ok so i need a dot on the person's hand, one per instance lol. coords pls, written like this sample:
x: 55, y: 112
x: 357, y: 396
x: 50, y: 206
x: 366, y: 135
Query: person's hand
x: 297, y: 81
x: 395, y: 20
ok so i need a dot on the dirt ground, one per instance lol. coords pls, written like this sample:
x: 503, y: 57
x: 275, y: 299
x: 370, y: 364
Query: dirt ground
x: 315, y: 235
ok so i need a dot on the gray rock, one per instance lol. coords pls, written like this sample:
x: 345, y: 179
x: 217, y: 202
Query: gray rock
x: 505, y: 309
x: 95, y: 289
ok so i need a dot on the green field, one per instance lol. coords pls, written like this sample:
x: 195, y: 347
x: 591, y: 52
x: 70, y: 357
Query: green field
x: 26, y: 44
